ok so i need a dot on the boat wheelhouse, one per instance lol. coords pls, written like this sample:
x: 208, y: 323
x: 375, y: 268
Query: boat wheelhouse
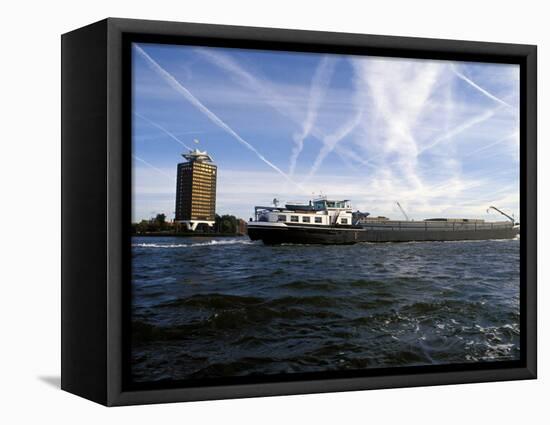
x: 319, y: 212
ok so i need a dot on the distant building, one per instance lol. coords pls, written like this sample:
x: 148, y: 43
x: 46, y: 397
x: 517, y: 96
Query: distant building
x: 196, y: 190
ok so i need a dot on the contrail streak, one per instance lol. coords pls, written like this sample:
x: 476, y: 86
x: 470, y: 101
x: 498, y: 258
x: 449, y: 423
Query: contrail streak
x: 161, y: 128
x: 246, y: 79
x: 176, y: 85
x: 481, y: 89
x: 319, y: 84
x: 459, y: 129
x: 490, y: 145
x: 447, y: 135
x: 278, y: 103
x: 332, y: 140
x: 152, y: 166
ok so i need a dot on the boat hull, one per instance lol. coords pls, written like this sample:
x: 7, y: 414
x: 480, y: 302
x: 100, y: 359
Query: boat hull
x: 275, y: 235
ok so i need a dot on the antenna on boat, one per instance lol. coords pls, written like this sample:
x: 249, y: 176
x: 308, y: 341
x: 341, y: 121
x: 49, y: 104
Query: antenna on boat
x: 503, y: 213
x: 402, y: 210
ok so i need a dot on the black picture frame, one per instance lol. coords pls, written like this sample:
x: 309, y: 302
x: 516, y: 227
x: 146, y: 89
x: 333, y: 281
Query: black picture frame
x: 96, y: 201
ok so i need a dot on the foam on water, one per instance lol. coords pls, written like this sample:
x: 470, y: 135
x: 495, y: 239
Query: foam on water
x: 193, y: 245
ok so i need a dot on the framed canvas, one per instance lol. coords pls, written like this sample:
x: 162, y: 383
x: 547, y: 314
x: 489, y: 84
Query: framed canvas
x: 253, y: 212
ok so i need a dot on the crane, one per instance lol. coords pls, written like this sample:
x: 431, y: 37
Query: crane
x: 502, y: 212
x: 402, y: 210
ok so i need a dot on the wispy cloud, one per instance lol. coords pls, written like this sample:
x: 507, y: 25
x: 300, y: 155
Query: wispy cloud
x: 271, y: 96
x: 239, y: 191
x: 397, y: 94
x: 161, y: 128
x: 176, y: 85
x: 319, y: 84
x: 414, y: 130
x: 247, y: 79
x: 482, y: 117
x: 512, y: 135
x: 330, y: 141
x: 408, y: 104
x: 156, y: 136
x: 148, y: 164
x: 478, y: 87
x: 403, y: 100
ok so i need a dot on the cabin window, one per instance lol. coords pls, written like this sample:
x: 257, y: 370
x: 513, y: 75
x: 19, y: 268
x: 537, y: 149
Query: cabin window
x: 294, y: 218
x: 305, y: 219
x: 281, y: 218
x: 318, y: 219
x: 319, y: 205
x: 344, y: 221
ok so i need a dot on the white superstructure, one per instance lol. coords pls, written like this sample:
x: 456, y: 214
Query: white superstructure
x: 319, y: 212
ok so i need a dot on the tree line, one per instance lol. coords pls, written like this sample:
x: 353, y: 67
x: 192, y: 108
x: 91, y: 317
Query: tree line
x: 226, y: 224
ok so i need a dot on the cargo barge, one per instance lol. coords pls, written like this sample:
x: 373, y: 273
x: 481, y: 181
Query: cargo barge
x: 324, y: 221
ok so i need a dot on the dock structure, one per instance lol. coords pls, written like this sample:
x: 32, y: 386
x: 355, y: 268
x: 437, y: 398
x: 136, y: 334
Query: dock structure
x: 196, y: 190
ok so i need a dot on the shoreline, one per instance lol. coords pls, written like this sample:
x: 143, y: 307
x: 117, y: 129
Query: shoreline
x: 187, y: 235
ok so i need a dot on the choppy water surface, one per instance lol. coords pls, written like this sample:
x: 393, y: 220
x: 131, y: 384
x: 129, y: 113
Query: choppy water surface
x: 218, y: 307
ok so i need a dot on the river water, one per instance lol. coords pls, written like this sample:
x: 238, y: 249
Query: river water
x: 223, y: 307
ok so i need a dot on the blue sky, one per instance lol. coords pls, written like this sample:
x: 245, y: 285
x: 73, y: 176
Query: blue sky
x: 440, y: 137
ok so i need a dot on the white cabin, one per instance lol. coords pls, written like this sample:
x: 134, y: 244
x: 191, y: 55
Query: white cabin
x: 319, y: 212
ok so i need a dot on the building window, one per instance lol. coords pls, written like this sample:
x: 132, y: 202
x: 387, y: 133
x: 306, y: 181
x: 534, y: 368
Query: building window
x: 344, y: 221
x: 294, y: 218
x: 305, y: 219
x: 281, y: 218
x: 318, y: 219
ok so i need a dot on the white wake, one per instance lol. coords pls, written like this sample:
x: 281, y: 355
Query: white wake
x: 193, y: 245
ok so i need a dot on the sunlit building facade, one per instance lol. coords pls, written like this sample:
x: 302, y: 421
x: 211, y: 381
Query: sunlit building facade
x: 196, y: 190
